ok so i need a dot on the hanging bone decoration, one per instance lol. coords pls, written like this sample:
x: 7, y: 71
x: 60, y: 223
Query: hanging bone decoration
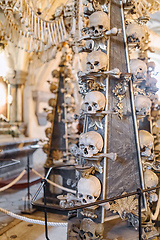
x: 35, y: 31
x: 89, y: 189
x: 141, y: 9
x: 142, y: 106
x: 90, y: 143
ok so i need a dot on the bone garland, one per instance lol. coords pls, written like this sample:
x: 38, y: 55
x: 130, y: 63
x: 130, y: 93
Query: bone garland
x: 61, y: 30
x: 63, y: 27
x: 53, y: 37
x: 143, y: 8
x: 36, y: 26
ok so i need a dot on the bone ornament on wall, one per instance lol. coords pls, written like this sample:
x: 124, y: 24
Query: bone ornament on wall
x: 34, y: 33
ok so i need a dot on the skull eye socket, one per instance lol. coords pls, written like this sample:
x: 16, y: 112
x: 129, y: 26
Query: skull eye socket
x: 80, y: 195
x: 91, y: 147
x: 93, y: 28
x: 82, y: 146
x: 86, y: 103
x: 90, y: 234
x: 89, y: 197
x: 96, y: 63
x: 95, y: 104
x: 100, y: 26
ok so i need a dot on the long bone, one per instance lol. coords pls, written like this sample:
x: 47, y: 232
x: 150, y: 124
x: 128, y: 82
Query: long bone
x: 55, y: 32
x: 61, y: 30
x: 52, y: 34
x: 63, y: 26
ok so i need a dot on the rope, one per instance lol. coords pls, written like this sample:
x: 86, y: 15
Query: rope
x: 54, y: 184
x: 155, y: 215
x: 34, y: 221
x: 13, y: 182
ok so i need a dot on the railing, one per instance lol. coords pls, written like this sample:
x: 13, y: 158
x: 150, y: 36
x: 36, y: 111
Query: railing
x: 44, y: 206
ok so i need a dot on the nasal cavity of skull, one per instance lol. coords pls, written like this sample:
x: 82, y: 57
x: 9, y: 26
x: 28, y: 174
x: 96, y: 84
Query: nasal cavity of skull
x: 90, y: 66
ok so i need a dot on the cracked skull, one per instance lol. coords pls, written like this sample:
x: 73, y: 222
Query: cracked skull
x: 96, y: 61
x: 98, y: 24
x: 138, y: 69
x: 146, y: 142
x: 94, y: 101
x: 89, y: 189
x: 90, y: 143
x: 142, y: 106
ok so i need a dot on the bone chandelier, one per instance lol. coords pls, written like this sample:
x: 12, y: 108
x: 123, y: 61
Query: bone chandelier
x: 28, y: 30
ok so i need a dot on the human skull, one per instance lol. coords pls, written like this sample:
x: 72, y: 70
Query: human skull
x: 69, y: 87
x: 90, y: 143
x: 156, y: 130
x: 89, y: 189
x: 48, y: 132
x: 153, y: 197
x: 69, y: 100
x: 142, y: 106
x: 146, y: 142
x: 70, y: 116
x: 94, y: 101
x: 96, y: 61
x: 52, y: 102
x: 150, y: 179
x: 135, y: 33
x: 45, y: 148
x: 90, y: 230
x: 50, y: 117
x: 138, y: 69
x: 98, y: 24
x: 151, y: 82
